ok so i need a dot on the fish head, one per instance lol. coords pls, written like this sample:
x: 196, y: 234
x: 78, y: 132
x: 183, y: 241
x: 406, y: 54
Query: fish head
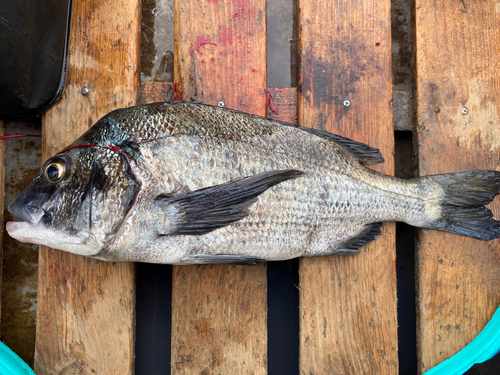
x: 77, y: 202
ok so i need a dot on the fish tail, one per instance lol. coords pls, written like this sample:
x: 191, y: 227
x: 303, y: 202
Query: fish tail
x: 463, y: 201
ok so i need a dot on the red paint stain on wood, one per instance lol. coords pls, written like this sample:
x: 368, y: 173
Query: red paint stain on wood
x: 243, y: 9
x: 200, y: 42
x: 226, y: 36
x: 271, y: 104
x: 241, y: 79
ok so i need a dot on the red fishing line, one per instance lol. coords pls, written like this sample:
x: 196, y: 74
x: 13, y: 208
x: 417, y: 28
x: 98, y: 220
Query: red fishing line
x: 19, y: 136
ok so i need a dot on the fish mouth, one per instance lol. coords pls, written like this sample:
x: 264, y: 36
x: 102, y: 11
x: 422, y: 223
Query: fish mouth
x: 40, y: 234
x: 16, y: 228
x: 31, y: 229
x: 27, y: 213
x: 30, y: 217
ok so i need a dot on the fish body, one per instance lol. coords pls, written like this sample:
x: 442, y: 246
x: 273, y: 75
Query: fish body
x: 184, y: 183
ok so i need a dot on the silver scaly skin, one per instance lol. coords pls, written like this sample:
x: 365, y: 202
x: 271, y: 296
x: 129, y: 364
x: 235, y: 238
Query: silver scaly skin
x: 190, y: 183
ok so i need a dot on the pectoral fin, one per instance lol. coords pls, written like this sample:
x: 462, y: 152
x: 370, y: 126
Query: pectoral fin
x: 207, y: 209
x: 242, y: 260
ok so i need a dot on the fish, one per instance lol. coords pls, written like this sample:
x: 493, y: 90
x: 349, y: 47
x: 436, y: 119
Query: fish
x: 190, y: 183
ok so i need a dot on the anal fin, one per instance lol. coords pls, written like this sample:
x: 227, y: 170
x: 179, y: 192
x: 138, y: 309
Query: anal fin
x: 241, y: 260
x: 369, y: 234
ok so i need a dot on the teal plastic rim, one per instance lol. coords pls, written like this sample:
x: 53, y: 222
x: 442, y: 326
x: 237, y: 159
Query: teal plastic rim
x: 11, y: 364
x: 485, y: 346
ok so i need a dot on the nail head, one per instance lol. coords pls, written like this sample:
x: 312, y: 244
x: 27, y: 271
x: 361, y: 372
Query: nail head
x: 85, y: 91
x: 465, y: 110
x: 347, y: 102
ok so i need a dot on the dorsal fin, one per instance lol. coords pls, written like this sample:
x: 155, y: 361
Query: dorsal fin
x: 364, y: 153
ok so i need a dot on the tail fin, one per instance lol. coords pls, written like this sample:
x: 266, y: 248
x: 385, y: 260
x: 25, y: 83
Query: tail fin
x: 462, y: 206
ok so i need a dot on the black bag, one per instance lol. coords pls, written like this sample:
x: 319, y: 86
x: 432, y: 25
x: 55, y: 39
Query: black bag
x: 33, y: 47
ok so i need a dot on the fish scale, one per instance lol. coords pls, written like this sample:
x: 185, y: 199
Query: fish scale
x: 188, y: 183
x: 293, y: 224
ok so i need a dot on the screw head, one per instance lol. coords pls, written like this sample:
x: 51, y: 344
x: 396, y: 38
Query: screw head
x: 437, y: 110
x: 85, y: 91
x: 465, y: 110
x: 347, y: 102
x: 220, y: 104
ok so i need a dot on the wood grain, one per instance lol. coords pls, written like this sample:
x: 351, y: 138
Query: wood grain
x: 457, y: 64
x: 282, y: 104
x: 219, y: 313
x: 404, y: 110
x: 86, y: 308
x: 153, y: 92
x: 348, y: 304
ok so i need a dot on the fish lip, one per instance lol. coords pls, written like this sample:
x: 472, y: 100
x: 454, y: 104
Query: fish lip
x: 27, y: 213
x: 23, y: 232
x: 13, y: 226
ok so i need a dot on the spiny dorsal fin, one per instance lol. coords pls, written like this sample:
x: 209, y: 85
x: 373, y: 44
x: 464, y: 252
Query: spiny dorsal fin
x: 364, y: 153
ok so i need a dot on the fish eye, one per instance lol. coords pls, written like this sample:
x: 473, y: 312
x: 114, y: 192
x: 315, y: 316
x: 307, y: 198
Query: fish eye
x: 55, y: 170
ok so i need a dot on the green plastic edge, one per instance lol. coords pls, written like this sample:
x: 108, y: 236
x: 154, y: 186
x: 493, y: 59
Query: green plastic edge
x: 11, y: 364
x: 485, y: 346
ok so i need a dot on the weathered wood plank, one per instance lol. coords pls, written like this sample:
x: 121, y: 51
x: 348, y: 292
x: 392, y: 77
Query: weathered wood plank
x: 403, y: 110
x: 20, y: 260
x: 219, y: 312
x: 457, y: 56
x: 348, y: 304
x: 282, y: 103
x: 85, y: 318
x: 152, y: 92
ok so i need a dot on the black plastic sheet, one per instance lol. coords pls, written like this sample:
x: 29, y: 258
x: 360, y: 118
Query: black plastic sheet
x: 33, y: 48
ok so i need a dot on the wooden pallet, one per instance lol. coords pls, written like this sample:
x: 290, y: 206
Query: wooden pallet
x: 348, y: 317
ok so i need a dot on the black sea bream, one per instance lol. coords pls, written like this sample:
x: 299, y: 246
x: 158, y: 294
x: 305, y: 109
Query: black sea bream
x: 190, y: 183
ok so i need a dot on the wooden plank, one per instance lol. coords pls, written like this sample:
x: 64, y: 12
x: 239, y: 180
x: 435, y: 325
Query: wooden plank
x: 152, y: 92
x: 20, y: 260
x: 219, y: 312
x: 85, y: 319
x: 282, y: 104
x: 348, y: 304
x: 403, y: 110
x: 458, y: 50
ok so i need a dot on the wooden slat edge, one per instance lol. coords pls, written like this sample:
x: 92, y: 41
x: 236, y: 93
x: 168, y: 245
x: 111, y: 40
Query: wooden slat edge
x: 86, y: 308
x: 219, y: 314
x: 458, y: 122
x: 348, y: 304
